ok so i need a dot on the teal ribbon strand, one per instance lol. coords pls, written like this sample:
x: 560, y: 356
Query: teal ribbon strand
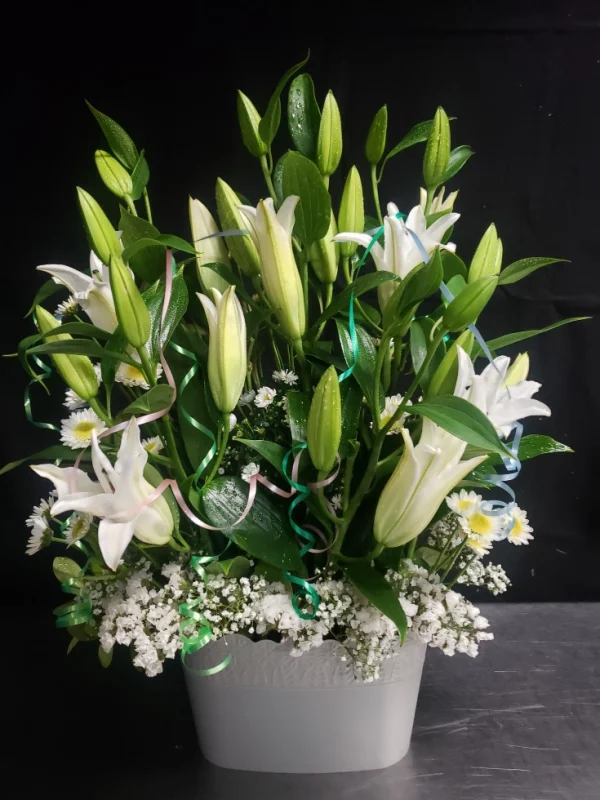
x: 81, y: 611
x: 47, y: 371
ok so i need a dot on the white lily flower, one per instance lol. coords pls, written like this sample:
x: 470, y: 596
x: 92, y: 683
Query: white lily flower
x: 400, y: 254
x: 93, y: 294
x: 438, y: 203
x: 502, y: 404
x: 116, y: 498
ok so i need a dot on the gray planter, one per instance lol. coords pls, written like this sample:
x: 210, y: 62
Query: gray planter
x: 272, y: 712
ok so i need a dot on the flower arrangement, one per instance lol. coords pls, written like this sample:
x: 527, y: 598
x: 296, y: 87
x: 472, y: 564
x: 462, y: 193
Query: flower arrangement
x: 288, y: 432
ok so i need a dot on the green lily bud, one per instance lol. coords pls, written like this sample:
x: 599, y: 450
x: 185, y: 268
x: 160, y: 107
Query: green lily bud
x: 249, y: 120
x: 76, y: 371
x: 437, y: 150
x: 351, y: 218
x: 468, y: 305
x: 114, y: 175
x: 242, y: 248
x: 324, y: 255
x: 132, y: 313
x: 444, y: 378
x: 103, y: 237
x: 211, y: 251
x: 376, y: 137
x: 324, y: 425
x: 519, y: 370
x: 488, y: 256
x: 329, y: 142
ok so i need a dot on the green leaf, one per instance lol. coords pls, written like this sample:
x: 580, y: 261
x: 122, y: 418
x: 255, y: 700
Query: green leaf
x: 149, y: 263
x: 46, y: 290
x: 79, y: 329
x: 364, y: 371
x: 304, y: 115
x: 140, y: 177
x: 237, y: 567
x: 72, y: 644
x: 519, y: 336
x: 462, y: 419
x: 65, y: 568
x: 156, y: 399
x: 82, y: 347
x: 265, y: 532
x: 453, y: 266
x: 532, y: 446
x: 161, y: 332
x: 154, y: 478
x: 351, y: 405
x: 269, y: 124
x: 422, y: 283
x: 118, y: 140
x: 270, y: 451
x: 520, y: 269
x: 341, y: 301
x: 103, y: 657
x: 53, y: 453
x: 298, y: 406
x: 458, y: 158
x: 301, y: 177
x: 418, y: 133
x: 377, y: 590
x: 420, y: 331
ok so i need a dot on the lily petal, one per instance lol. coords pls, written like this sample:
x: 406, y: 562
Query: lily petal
x: 74, y: 280
x: 287, y: 213
x: 113, y: 538
x: 62, y: 478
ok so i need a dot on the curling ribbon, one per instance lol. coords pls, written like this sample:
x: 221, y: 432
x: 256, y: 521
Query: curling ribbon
x: 47, y: 371
x: 81, y: 611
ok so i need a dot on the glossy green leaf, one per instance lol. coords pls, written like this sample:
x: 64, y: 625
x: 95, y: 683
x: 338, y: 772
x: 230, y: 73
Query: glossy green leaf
x: 53, y: 453
x: 304, y: 115
x: 351, y: 407
x: 462, y: 419
x: 46, y: 290
x: 118, y: 140
x: 237, y: 567
x: 420, y: 341
x: 149, y: 263
x: 453, y: 266
x: 416, y: 134
x: 270, y: 122
x: 298, y: 406
x: 423, y: 283
x: 340, y: 302
x: 270, y: 451
x: 519, y: 336
x: 301, y: 177
x: 140, y: 177
x: 520, y: 269
x: 458, y: 158
x: 532, y: 446
x: 161, y: 332
x: 65, y: 568
x: 265, y: 533
x: 117, y: 344
x: 83, y: 347
x: 377, y: 590
x: 156, y: 399
x: 78, y: 329
x: 364, y: 371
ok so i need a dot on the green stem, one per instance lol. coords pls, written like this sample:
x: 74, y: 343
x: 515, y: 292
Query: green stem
x: 396, y: 361
x: 130, y: 205
x: 149, y: 370
x: 375, y: 188
x: 299, y: 349
x: 147, y: 204
x: 326, y: 181
x: 440, y: 559
x: 328, y: 293
x: 381, y: 350
x: 428, y: 201
x: 264, y: 165
x: 172, y: 449
x: 461, y: 572
x: 145, y: 553
x: 95, y: 406
x: 304, y: 278
x: 276, y: 352
x: 376, y: 551
x: 454, y: 559
x: 348, y: 473
x: 222, y: 447
x: 346, y: 269
x: 412, y: 546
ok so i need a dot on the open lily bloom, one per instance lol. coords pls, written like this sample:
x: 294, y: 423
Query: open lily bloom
x: 117, y: 499
x: 93, y: 294
x: 502, y: 404
x: 400, y: 253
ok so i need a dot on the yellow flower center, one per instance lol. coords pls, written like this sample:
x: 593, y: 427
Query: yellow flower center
x: 83, y: 430
x: 463, y: 505
x: 133, y: 373
x: 517, y: 528
x: 150, y: 447
x: 480, y: 524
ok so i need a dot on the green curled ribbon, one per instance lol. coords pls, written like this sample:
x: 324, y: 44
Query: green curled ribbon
x: 47, y: 371
x: 81, y: 611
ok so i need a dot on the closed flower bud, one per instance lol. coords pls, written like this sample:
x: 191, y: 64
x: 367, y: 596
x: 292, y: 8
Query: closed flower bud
x: 468, y: 305
x: 444, y: 378
x: 226, y: 348
x: 351, y: 218
x: 518, y: 371
x: 329, y: 142
x: 437, y: 150
x: 132, y: 313
x: 376, y: 137
x: 114, y: 175
x: 324, y: 255
x: 103, y: 237
x: 249, y: 120
x: 242, y: 248
x: 210, y: 251
x: 488, y: 256
x: 324, y: 425
x: 75, y: 370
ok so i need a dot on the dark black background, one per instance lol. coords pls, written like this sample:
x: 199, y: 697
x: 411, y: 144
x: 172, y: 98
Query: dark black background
x: 523, y: 80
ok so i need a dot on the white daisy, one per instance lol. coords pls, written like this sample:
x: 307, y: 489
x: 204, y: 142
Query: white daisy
x: 336, y: 501
x: 391, y: 406
x: 521, y: 531
x: 72, y: 399
x: 285, y: 376
x: 79, y: 525
x: 40, y: 516
x: 249, y: 471
x: 480, y: 528
x: 76, y: 431
x: 264, y: 397
x: 247, y: 398
x: 153, y: 444
x: 481, y: 545
x: 463, y: 502
x: 129, y: 375
x: 67, y: 308
x: 38, y: 539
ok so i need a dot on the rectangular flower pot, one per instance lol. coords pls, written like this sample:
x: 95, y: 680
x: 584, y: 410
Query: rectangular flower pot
x: 269, y: 711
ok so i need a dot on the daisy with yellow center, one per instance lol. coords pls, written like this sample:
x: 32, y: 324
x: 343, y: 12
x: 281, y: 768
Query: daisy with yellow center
x: 129, y: 375
x: 519, y: 531
x: 76, y: 431
x: 481, y: 529
x: 391, y: 406
x: 463, y: 502
x: 153, y: 444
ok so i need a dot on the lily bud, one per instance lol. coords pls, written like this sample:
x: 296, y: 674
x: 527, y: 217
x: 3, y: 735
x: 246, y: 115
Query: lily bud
x: 211, y: 251
x: 352, y: 211
x: 444, y: 378
x: 271, y: 232
x: 249, y: 120
x: 376, y: 137
x: 242, y: 248
x: 114, y: 175
x: 324, y: 425
x: 518, y: 371
x: 329, y: 142
x: 226, y: 347
x: 324, y: 255
x: 76, y: 371
x: 103, y: 236
x: 488, y: 256
x: 468, y: 305
x: 437, y: 150
x: 132, y: 313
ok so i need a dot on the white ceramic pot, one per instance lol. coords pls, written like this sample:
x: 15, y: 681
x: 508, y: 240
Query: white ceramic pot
x: 269, y: 711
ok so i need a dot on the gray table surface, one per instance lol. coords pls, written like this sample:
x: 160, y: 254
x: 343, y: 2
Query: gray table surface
x: 520, y: 722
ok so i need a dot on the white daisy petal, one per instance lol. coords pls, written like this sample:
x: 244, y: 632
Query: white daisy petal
x: 76, y: 431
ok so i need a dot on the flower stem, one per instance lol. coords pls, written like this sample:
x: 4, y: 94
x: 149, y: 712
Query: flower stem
x: 147, y: 204
x: 299, y: 349
x: 222, y: 447
x: 130, y: 205
x: 375, y: 188
x: 267, y: 176
x: 95, y: 406
x: 346, y: 269
x: 149, y: 370
x: 429, y: 200
x: 381, y: 351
